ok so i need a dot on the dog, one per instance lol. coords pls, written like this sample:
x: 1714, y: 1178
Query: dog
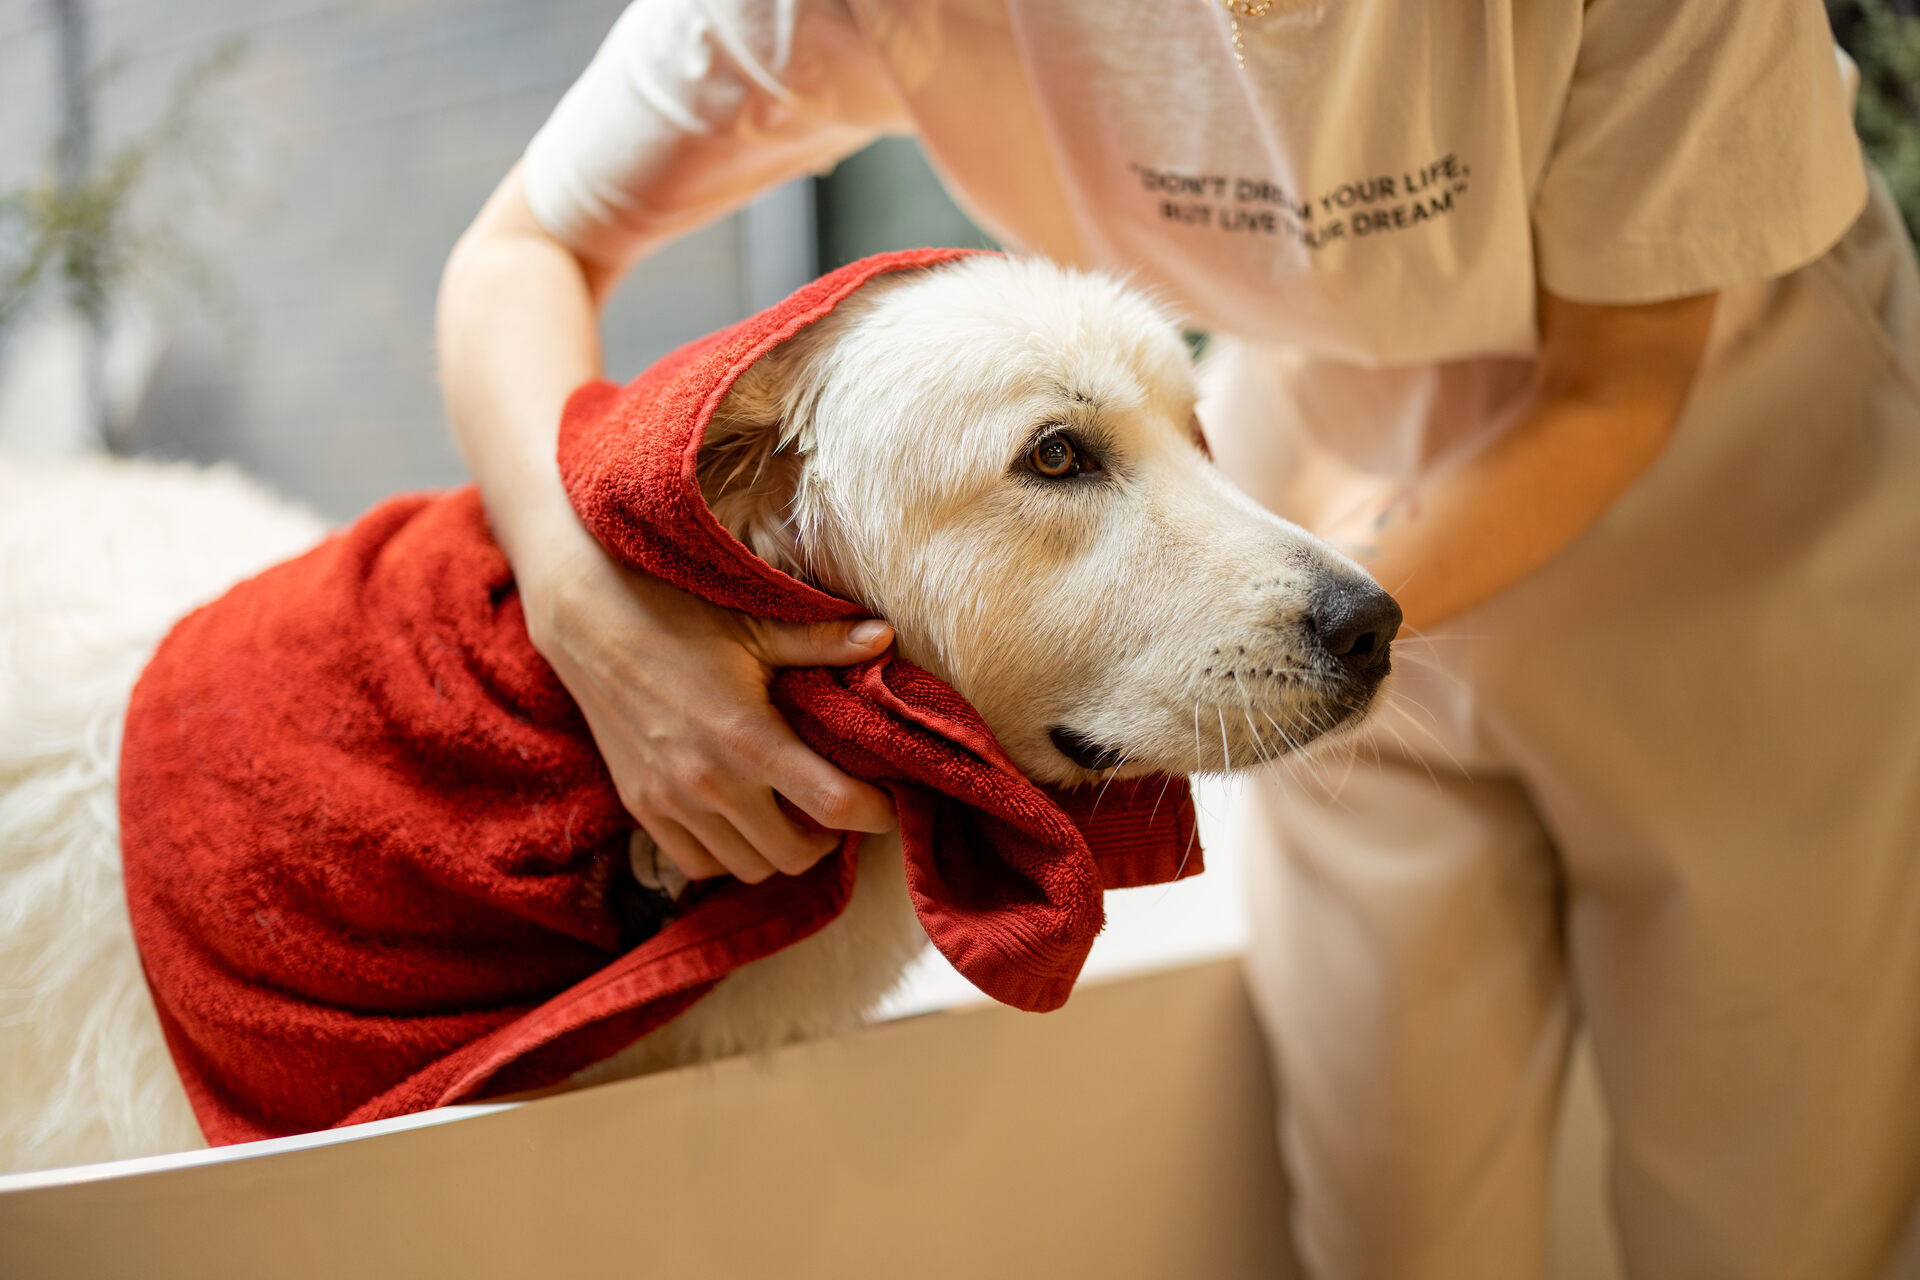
x: 1132, y: 613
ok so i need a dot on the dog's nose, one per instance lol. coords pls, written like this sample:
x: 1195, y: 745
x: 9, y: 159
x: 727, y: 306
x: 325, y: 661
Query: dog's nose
x: 1354, y: 622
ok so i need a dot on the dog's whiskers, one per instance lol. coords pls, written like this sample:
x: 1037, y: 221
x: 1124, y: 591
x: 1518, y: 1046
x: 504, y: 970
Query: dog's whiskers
x: 1112, y: 773
x: 1165, y: 782
x: 1406, y: 749
x: 1452, y: 760
x: 1192, y: 837
x: 1260, y: 750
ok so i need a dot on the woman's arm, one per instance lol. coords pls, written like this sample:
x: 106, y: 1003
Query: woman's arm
x: 1610, y: 385
x: 674, y: 689
x: 517, y: 330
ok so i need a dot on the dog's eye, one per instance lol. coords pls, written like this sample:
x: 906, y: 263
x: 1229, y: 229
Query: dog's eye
x: 1055, y: 458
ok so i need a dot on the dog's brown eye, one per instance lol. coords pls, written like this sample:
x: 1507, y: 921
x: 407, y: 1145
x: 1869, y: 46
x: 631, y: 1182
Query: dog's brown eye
x: 1055, y: 457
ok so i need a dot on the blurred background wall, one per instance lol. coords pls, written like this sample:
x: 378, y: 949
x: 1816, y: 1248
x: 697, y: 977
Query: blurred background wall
x: 290, y: 231
x: 1883, y: 37
x: 222, y: 222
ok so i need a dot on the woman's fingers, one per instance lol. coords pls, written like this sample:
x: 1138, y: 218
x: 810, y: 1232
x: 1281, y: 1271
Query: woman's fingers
x: 707, y: 785
x: 675, y: 692
x: 825, y: 794
x: 817, y: 644
x: 680, y: 848
x: 718, y: 841
x: 764, y: 757
x: 756, y: 820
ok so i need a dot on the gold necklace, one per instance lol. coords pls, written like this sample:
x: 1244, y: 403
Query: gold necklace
x: 1238, y: 9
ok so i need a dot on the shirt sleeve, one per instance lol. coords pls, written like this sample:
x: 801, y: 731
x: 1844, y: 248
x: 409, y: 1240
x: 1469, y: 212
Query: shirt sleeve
x: 1703, y: 144
x: 691, y: 108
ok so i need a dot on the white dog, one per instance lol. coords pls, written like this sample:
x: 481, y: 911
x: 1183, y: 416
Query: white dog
x: 1144, y: 616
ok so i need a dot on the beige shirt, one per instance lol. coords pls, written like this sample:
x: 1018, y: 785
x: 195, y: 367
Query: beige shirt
x: 1378, y: 192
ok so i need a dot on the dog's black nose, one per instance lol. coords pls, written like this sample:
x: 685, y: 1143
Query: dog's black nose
x: 1354, y: 622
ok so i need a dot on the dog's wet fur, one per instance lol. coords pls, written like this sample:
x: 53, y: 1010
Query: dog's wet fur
x: 999, y: 456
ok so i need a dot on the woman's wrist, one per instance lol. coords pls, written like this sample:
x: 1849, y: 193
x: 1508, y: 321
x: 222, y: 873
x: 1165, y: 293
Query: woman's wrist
x: 559, y: 567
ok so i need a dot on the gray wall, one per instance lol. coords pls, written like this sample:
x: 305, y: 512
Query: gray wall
x: 887, y: 197
x: 357, y: 138
x: 363, y: 137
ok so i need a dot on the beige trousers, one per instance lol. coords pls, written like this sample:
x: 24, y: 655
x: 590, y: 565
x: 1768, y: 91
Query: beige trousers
x: 1668, y: 787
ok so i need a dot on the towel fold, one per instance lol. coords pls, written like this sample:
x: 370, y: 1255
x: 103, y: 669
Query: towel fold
x: 373, y: 858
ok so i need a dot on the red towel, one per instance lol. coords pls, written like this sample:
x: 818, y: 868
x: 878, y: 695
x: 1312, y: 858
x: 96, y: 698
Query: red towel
x: 373, y: 858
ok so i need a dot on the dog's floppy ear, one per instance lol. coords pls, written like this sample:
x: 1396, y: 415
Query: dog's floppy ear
x: 753, y: 454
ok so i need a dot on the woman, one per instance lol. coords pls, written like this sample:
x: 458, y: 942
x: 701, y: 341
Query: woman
x: 1566, y: 319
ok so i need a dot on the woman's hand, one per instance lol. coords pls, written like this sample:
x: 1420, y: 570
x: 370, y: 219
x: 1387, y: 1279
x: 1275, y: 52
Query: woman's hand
x: 674, y: 689
x: 1342, y: 504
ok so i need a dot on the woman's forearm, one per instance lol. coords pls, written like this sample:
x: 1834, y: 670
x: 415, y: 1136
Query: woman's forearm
x: 1611, y: 386
x: 1461, y: 536
x: 517, y: 331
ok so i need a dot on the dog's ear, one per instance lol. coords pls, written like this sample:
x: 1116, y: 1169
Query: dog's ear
x: 753, y: 461
x: 753, y: 454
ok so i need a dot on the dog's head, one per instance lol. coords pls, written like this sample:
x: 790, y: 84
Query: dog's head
x: 1001, y: 457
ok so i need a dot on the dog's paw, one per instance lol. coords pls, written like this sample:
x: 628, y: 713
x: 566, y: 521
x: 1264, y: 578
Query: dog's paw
x: 653, y: 871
